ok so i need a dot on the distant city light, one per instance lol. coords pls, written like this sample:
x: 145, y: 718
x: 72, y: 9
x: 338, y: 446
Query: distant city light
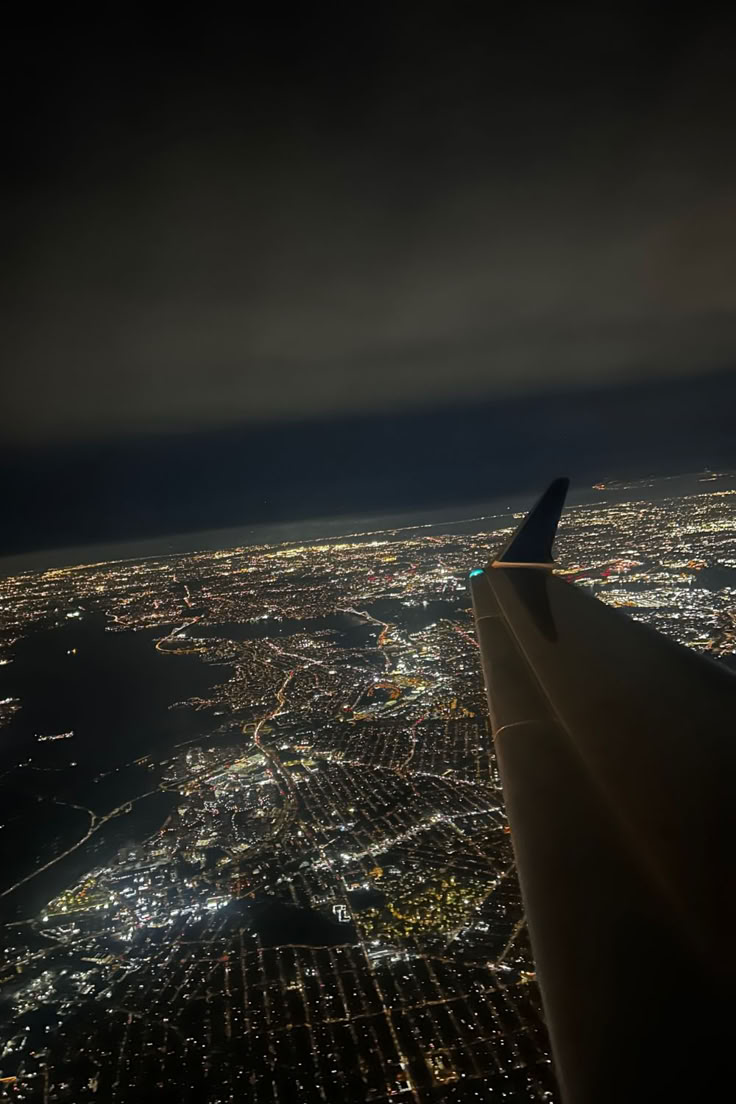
x: 333, y: 764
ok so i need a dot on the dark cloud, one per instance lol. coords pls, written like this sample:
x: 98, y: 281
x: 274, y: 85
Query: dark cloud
x: 328, y: 217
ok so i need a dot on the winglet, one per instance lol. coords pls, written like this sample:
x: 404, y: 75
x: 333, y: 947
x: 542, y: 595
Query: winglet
x: 531, y: 544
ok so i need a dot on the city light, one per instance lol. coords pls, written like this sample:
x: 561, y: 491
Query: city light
x: 330, y: 900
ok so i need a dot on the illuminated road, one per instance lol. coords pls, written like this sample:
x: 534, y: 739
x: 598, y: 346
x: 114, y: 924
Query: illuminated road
x: 382, y: 636
x: 278, y: 768
x: 173, y: 635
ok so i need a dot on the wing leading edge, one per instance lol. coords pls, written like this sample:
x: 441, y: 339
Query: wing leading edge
x: 618, y: 762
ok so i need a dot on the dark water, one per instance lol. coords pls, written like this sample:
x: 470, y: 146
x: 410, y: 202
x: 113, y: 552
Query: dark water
x: 350, y: 630
x: 717, y: 578
x: 114, y: 693
x: 145, y: 818
x: 416, y: 618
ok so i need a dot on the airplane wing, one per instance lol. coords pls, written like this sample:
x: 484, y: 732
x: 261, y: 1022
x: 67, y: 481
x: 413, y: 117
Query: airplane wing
x: 617, y: 752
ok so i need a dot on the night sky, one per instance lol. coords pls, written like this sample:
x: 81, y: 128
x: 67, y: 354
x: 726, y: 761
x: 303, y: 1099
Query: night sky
x: 318, y: 264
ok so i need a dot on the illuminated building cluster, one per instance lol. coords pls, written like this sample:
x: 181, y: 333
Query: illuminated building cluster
x: 330, y: 909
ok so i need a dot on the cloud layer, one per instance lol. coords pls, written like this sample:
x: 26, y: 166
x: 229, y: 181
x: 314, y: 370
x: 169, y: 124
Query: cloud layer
x: 381, y: 221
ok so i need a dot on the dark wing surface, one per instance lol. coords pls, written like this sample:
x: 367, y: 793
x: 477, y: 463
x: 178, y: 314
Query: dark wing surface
x: 618, y: 759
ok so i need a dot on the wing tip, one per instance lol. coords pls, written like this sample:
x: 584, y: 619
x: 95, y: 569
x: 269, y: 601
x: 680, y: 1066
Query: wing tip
x: 532, y: 542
